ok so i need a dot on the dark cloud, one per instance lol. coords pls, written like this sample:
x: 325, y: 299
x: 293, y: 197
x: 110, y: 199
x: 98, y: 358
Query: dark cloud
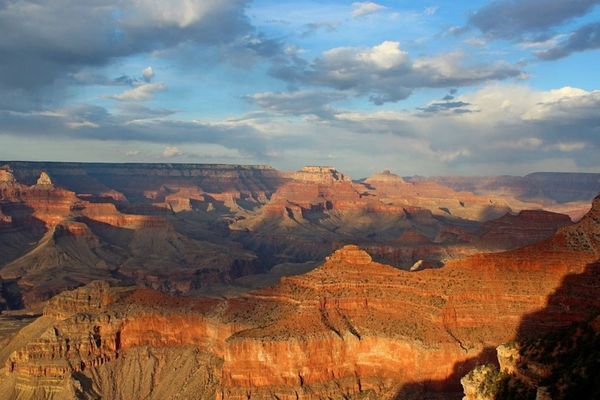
x: 512, y: 19
x: 297, y: 103
x: 457, y: 107
x: 44, y: 43
x: 584, y: 38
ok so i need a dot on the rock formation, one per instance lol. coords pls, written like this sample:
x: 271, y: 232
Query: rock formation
x: 182, y: 227
x: 560, y: 365
x: 44, y: 179
x: 6, y: 175
x: 350, y: 328
x: 318, y: 174
x: 53, y: 240
x: 386, y: 177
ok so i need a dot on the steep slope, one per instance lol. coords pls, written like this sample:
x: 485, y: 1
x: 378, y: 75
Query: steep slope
x: 68, y: 256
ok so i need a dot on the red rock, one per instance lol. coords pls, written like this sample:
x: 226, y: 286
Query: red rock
x: 349, y: 326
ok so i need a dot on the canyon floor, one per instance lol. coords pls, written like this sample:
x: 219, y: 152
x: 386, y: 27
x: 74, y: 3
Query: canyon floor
x: 161, y: 281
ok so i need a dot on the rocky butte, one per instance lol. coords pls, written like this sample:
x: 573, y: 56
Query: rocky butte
x: 350, y: 328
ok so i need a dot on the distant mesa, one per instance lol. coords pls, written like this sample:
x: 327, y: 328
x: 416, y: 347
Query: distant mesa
x: 385, y: 177
x: 44, y: 179
x: 320, y: 174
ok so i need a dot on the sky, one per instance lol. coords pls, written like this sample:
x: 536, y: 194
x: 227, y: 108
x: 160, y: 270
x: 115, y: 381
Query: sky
x: 417, y: 87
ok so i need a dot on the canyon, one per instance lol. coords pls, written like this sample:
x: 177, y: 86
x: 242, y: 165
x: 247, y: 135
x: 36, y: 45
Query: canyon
x: 166, y: 281
x: 187, y: 228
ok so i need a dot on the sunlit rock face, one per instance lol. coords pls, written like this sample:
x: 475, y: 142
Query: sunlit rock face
x: 44, y: 179
x: 6, y: 175
x: 351, y: 327
x: 320, y: 174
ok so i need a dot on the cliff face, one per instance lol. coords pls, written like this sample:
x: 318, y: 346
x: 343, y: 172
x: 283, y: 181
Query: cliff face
x: 351, y: 327
x: 42, y: 202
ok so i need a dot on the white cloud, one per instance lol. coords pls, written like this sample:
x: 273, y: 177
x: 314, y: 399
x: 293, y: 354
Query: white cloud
x: 385, y: 55
x: 132, y: 153
x: 476, y: 41
x: 82, y: 124
x: 171, y: 151
x: 360, y: 9
x: 148, y: 74
x: 386, y: 73
x: 139, y: 93
x: 563, y: 103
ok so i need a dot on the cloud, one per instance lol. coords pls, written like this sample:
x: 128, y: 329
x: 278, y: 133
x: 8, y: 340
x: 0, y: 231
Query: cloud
x: 132, y: 153
x: 360, y: 9
x: 584, y: 38
x: 136, y: 111
x: 171, y: 151
x: 457, y: 107
x: 148, y: 74
x: 69, y: 124
x: 297, y: 103
x: 386, y: 73
x: 45, y: 42
x: 139, y: 93
x: 314, y: 27
x: 512, y: 19
x: 515, y: 130
x: 568, y: 147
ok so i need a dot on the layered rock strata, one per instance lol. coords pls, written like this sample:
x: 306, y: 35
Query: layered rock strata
x: 349, y: 328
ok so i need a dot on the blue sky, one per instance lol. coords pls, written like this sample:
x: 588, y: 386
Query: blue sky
x: 420, y: 87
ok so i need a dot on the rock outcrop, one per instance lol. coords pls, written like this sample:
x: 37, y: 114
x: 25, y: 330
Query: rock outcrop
x: 319, y: 174
x: 385, y: 177
x: 560, y: 365
x: 6, y: 175
x: 44, y: 179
